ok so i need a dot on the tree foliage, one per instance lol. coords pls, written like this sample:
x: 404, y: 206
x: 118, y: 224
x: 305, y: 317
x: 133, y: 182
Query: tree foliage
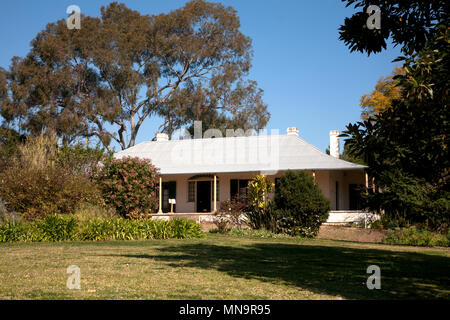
x: 410, y: 24
x: 123, y: 67
x: 407, y: 145
x: 380, y: 99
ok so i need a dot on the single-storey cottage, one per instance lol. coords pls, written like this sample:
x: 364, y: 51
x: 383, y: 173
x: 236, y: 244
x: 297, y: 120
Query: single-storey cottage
x: 200, y: 173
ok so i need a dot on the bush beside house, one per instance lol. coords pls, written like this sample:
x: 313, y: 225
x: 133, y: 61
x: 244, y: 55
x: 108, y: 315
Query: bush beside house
x: 299, y: 206
x: 129, y: 185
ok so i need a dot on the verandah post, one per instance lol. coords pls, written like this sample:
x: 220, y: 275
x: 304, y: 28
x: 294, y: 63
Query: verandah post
x: 215, y: 193
x: 160, y: 195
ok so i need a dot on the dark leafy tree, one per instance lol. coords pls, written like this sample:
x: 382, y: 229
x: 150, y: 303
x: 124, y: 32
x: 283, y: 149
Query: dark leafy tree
x: 409, y: 23
x: 407, y: 145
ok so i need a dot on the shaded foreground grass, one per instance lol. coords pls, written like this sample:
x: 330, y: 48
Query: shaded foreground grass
x: 222, y: 267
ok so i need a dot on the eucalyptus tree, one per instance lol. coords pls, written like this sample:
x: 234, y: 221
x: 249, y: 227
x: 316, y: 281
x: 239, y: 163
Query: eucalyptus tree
x: 106, y: 78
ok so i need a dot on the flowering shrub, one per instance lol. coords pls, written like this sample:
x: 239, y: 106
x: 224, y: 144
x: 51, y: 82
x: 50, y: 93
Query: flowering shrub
x: 129, y: 185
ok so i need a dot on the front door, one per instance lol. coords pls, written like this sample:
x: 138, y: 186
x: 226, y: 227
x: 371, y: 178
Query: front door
x: 203, y: 196
x: 355, y: 197
x: 169, y: 192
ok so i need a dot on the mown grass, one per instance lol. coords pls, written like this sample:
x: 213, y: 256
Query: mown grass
x: 222, y: 267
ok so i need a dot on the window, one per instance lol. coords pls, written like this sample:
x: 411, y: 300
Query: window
x: 217, y: 191
x: 191, y: 191
x: 238, y: 188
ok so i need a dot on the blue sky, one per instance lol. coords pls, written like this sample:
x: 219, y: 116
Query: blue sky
x: 310, y: 79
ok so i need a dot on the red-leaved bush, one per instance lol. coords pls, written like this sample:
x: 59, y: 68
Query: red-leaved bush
x: 129, y: 185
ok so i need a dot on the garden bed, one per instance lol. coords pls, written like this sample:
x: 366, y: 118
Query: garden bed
x: 351, y: 234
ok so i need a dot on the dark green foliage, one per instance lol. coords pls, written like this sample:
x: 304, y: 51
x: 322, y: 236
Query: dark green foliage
x: 299, y: 205
x: 408, y: 200
x: 56, y: 227
x: 410, y: 24
x: 129, y: 185
x: 68, y: 228
x: 184, y: 228
x: 407, y: 146
x: 417, y: 237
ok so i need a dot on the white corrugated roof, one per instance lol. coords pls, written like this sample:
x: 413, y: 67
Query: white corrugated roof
x: 264, y: 153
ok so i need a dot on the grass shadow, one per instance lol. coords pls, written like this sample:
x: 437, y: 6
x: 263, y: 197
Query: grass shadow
x: 318, y: 268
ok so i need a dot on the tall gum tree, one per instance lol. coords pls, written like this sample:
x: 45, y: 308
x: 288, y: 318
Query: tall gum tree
x: 105, y: 79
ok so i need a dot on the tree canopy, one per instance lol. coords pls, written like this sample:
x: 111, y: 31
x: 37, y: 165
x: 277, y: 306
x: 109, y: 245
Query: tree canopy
x: 105, y: 79
x: 409, y: 23
x: 406, y: 144
x: 386, y: 90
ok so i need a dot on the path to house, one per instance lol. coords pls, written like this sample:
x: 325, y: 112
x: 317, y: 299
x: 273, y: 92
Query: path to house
x: 222, y: 267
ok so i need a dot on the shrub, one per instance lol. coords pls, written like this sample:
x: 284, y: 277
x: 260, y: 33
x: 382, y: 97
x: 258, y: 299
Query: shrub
x: 57, y: 228
x: 36, y: 186
x: 409, y: 200
x: 299, y: 205
x: 222, y: 222
x: 68, y: 228
x: 258, y: 233
x: 259, y: 211
x: 185, y: 229
x: 416, y: 237
x: 88, y: 211
x: 13, y: 232
x: 6, y: 216
x: 230, y: 214
x: 128, y: 184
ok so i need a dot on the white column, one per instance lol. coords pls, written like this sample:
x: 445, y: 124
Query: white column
x: 160, y: 195
x: 215, y: 193
x: 367, y: 181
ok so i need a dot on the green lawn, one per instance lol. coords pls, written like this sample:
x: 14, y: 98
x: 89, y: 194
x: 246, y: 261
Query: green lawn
x: 222, y: 267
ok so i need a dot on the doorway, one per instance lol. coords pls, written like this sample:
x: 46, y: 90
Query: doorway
x: 169, y: 191
x: 203, y: 196
x: 355, y: 197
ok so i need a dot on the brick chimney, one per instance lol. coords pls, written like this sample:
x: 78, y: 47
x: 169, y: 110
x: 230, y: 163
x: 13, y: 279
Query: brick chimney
x: 162, y: 136
x: 292, y: 131
x: 334, y: 144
